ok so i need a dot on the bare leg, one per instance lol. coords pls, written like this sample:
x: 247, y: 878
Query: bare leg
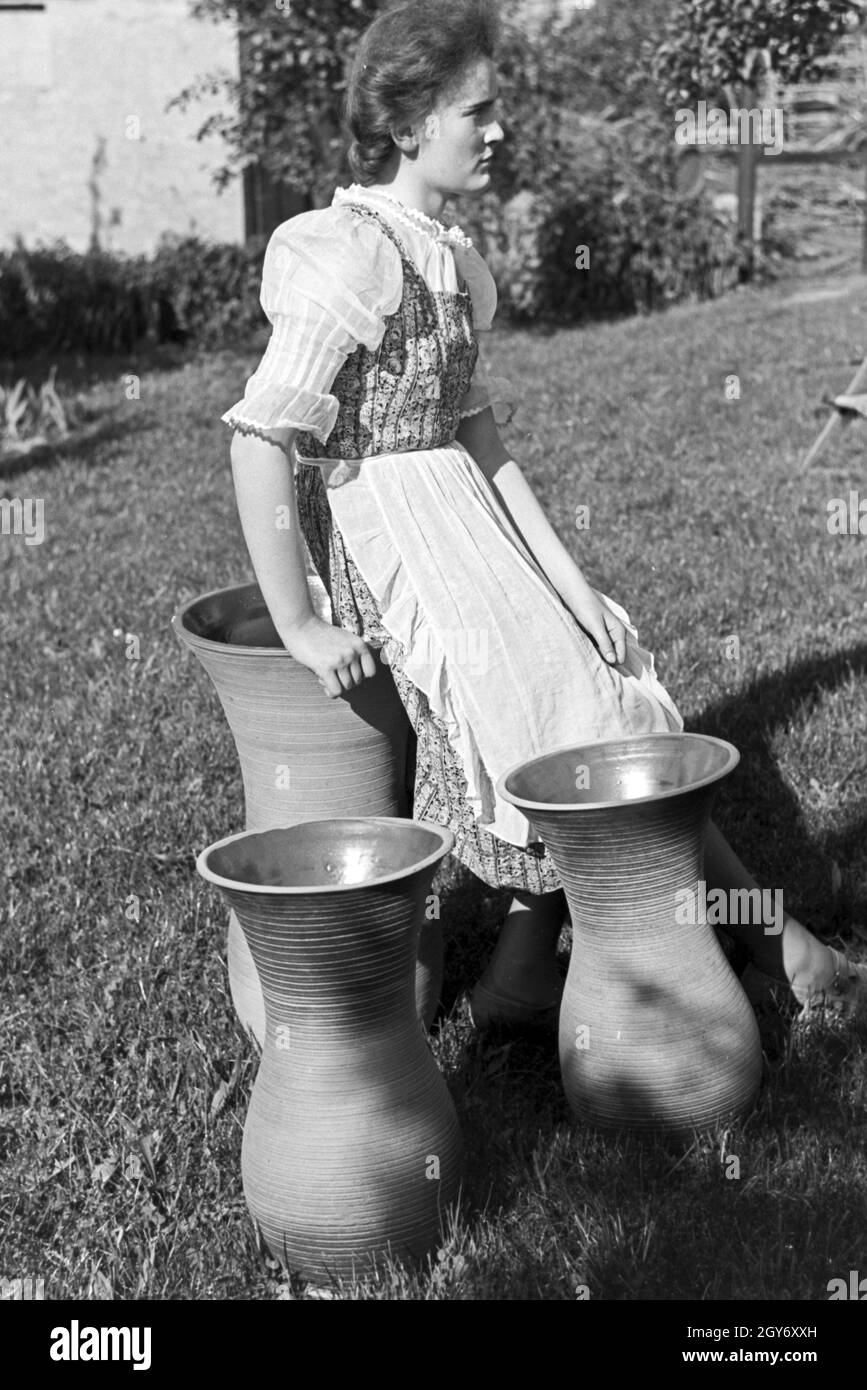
x: 792, y: 954
x: 521, y: 978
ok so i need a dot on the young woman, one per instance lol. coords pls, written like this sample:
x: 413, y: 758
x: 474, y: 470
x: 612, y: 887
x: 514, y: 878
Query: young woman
x: 420, y: 523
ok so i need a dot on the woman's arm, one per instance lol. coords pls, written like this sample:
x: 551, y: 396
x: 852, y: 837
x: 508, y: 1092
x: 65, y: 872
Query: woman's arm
x: 480, y: 436
x: 265, y: 491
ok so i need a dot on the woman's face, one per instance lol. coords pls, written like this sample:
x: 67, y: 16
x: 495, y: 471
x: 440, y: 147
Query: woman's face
x: 457, y: 139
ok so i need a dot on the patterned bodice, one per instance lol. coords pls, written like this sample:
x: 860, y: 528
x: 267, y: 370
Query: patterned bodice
x: 407, y: 393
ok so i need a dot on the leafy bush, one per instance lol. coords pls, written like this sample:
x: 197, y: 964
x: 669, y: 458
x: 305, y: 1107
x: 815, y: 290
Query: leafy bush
x: 53, y: 298
x: 589, y: 156
x: 589, y: 159
x: 212, y: 288
x: 617, y: 195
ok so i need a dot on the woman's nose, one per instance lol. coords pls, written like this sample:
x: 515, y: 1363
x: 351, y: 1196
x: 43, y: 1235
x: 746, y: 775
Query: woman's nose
x: 494, y: 133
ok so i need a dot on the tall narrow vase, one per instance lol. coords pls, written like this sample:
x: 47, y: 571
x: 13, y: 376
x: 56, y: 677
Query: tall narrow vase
x: 656, y: 1033
x: 351, y: 1145
x: 302, y: 756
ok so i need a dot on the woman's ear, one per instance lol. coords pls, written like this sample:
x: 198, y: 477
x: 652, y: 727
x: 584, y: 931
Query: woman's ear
x: 406, y: 137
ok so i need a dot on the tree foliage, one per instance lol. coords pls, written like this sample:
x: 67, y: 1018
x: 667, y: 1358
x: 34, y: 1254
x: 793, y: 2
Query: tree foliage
x: 284, y: 110
x: 612, y: 47
x: 616, y: 58
x: 594, y: 63
x: 708, y: 43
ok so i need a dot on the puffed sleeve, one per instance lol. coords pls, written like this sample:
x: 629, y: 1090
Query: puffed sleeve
x: 484, y: 390
x: 329, y: 280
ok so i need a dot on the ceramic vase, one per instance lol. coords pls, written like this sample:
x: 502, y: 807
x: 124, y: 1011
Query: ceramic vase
x: 302, y: 755
x: 351, y: 1146
x: 656, y: 1033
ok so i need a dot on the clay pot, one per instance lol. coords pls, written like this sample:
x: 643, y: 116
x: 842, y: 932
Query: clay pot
x: 352, y: 1146
x: 302, y: 756
x: 656, y: 1033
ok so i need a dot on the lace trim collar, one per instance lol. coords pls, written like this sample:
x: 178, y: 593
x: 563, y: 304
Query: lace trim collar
x: 413, y: 218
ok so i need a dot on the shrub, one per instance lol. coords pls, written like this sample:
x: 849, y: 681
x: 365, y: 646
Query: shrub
x: 212, y: 288
x: 53, y: 298
x: 617, y: 195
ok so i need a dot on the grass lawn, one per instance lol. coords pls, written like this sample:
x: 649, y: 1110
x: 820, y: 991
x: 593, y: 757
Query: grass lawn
x: 124, y: 1078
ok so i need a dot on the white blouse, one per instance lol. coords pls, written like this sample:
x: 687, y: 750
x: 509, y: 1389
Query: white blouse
x: 330, y: 279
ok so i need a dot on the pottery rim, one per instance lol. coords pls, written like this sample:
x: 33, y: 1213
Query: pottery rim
x: 733, y: 757
x: 445, y: 837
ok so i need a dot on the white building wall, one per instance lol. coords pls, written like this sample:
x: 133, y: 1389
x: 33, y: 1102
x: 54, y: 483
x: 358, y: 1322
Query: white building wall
x: 86, y: 70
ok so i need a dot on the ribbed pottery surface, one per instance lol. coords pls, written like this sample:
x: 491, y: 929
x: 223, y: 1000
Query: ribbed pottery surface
x: 302, y: 756
x: 297, y: 747
x: 352, y: 1145
x: 656, y: 1033
x: 300, y: 753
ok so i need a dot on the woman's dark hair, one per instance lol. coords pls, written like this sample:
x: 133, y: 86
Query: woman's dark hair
x: 406, y: 60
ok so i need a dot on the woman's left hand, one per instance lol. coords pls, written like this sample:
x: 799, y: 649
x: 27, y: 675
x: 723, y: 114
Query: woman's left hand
x: 600, y: 624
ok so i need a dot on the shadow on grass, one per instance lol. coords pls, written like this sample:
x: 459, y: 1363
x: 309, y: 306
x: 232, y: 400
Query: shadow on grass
x: 701, y: 1237
x: 78, y: 370
x: 77, y: 446
x: 763, y: 804
x: 757, y: 798
x: 688, y: 1053
x: 510, y: 1098
x: 645, y: 1216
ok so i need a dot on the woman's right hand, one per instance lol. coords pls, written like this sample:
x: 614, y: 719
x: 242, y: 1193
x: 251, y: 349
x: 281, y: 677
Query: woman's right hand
x: 339, y: 658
